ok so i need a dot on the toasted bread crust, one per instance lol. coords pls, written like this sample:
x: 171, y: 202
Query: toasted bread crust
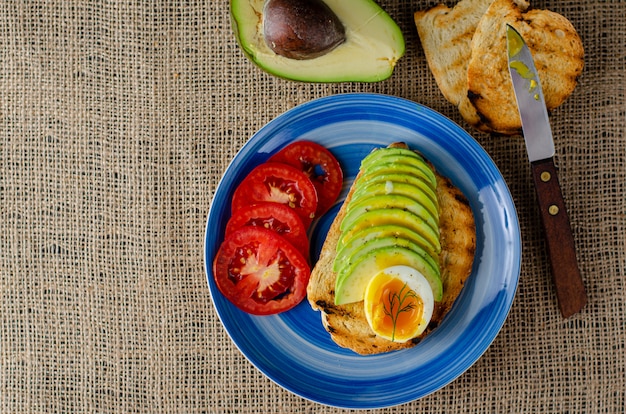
x: 347, y: 324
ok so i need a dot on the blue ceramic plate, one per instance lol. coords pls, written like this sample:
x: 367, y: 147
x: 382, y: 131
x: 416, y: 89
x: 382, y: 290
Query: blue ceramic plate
x: 292, y: 348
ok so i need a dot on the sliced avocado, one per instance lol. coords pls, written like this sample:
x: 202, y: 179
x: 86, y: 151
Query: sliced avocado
x: 402, y: 164
x: 375, y: 244
x: 388, y: 179
x: 352, y: 240
x: 375, y: 155
x: 382, y: 202
x: 344, y: 258
x: 370, y: 45
x: 421, y: 193
x: 351, y: 287
x: 374, y: 171
x: 401, y: 218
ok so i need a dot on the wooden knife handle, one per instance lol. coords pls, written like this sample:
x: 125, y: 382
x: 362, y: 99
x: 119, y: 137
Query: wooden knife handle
x: 570, y: 290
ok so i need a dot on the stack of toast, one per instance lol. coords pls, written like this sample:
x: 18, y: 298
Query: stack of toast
x: 465, y: 47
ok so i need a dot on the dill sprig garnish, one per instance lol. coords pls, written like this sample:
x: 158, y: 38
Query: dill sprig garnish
x: 397, y: 305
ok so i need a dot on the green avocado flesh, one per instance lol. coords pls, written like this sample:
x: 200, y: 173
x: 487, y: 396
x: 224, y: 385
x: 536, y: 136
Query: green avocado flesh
x: 356, y: 211
x: 402, y: 164
x: 398, y: 217
x: 418, y: 191
x: 373, y: 44
x: 354, y: 239
x: 374, y: 156
x: 376, y: 244
x: 346, y: 257
x: 351, y: 283
x: 392, y: 218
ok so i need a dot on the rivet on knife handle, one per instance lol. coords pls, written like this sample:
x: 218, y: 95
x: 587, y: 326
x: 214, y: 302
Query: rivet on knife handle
x: 568, y: 282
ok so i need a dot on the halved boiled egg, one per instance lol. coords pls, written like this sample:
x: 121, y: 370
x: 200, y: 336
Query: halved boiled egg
x: 398, y: 303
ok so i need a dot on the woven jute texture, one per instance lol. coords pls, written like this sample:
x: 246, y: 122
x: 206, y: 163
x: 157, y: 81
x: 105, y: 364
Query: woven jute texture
x: 117, y: 121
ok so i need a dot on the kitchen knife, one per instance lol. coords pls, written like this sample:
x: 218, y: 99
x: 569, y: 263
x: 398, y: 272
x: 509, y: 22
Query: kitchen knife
x: 570, y: 290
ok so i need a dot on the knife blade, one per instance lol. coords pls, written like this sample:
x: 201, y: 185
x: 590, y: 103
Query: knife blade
x: 568, y: 283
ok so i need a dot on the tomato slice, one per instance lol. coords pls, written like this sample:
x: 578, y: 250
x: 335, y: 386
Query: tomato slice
x: 320, y: 165
x: 260, y: 272
x: 273, y: 216
x: 278, y: 183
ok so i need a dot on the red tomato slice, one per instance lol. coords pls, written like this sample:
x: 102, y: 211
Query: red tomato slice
x: 273, y: 216
x: 320, y: 165
x: 260, y: 272
x: 278, y: 183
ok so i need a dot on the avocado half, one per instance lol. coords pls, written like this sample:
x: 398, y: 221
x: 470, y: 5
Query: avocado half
x: 373, y: 44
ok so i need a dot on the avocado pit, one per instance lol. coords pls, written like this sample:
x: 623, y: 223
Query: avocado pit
x: 301, y: 29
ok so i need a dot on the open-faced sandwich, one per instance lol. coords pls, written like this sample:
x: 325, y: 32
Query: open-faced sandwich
x: 396, y: 256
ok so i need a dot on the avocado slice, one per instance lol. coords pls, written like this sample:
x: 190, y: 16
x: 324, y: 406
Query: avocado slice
x: 375, y: 155
x: 351, y: 283
x: 372, y: 46
x: 399, y: 217
x: 378, y: 203
x: 352, y: 240
x: 417, y: 190
x: 345, y: 257
x: 375, y: 244
x: 404, y: 165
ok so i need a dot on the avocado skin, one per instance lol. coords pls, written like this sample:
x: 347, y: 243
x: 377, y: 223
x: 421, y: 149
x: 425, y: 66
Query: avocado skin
x: 373, y: 44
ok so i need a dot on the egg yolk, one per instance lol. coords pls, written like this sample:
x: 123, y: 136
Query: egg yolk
x: 395, y: 310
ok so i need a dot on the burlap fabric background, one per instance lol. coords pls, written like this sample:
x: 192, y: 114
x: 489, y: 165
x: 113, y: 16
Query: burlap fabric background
x: 117, y: 119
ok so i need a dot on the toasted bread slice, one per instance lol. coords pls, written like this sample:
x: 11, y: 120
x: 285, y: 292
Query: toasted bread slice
x: 446, y: 36
x: 557, y: 51
x: 347, y: 324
